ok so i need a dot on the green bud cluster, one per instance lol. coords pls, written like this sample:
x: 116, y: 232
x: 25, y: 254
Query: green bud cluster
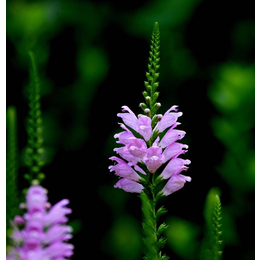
x: 216, y: 229
x: 212, y: 244
x: 34, y: 127
x: 150, y: 106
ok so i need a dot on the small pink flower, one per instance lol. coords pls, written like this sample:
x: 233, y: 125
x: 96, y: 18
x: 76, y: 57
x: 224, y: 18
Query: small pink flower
x: 168, y: 119
x: 175, y: 183
x: 142, y: 124
x: 171, y: 136
x: 174, y: 167
x: 124, y: 136
x: 125, y: 154
x: 154, y: 158
x: 56, y: 214
x: 144, y: 127
x: 123, y: 169
x: 137, y: 147
x: 174, y: 150
x: 128, y: 118
x: 129, y: 186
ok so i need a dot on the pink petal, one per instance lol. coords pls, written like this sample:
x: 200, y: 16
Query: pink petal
x: 124, y: 153
x: 144, y: 127
x: 175, y: 183
x: 168, y: 119
x: 154, y: 158
x: 173, y: 150
x: 123, y: 136
x: 128, y: 118
x: 174, y: 167
x: 129, y: 186
x: 137, y: 147
x: 57, y: 213
x: 171, y: 136
x: 122, y: 169
x: 56, y: 232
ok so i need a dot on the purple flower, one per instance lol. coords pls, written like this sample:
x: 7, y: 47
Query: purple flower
x: 154, y: 158
x: 168, y: 119
x: 136, y: 147
x: 142, y: 124
x: 129, y: 186
x: 123, y: 169
x: 175, y: 183
x: 45, y: 232
x: 137, y: 150
x: 174, y: 167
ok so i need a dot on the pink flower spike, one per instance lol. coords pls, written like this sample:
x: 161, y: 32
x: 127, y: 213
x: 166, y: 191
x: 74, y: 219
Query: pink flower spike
x: 174, y: 167
x: 174, y: 150
x: 175, y: 183
x: 122, y: 169
x: 129, y: 186
x: 168, y: 119
x: 154, y: 158
x: 128, y: 118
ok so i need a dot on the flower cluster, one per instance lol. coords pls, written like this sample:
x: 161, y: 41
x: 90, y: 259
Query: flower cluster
x: 41, y: 234
x: 138, y: 151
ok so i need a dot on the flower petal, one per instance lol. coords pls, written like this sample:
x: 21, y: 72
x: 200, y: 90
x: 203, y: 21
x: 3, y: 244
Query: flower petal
x: 174, y: 150
x: 128, y: 118
x: 171, y: 136
x: 144, y: 127
x: 154, y: 158
x: 123, y: 169
x: 175, y: 183
x: 174, y: 167
x: 129, y: 186
x: 168, y: 119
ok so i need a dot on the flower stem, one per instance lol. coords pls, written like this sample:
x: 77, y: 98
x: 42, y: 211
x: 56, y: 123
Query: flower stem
x: 151, y: 234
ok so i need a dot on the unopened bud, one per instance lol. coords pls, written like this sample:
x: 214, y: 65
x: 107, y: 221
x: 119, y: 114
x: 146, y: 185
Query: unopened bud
x: 22, y: 206
x: 159, y: 116
x: 35, y: 182
x: 19, y: 220
x: 147, y: 111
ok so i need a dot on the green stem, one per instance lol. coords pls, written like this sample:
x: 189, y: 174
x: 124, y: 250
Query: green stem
x: 153, y: 241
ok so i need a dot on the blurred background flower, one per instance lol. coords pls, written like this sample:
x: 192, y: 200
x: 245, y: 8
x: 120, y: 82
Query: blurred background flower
x: 90, y: 53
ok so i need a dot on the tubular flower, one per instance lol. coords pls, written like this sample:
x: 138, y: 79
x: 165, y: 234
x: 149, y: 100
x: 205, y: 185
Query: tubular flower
x: 42, y: 232
x: 145, y: 149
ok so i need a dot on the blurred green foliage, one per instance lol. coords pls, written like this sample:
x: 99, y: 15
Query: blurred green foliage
x: 12, y: 194
x: 92, y: 58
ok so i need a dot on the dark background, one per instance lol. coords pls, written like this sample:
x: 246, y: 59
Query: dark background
x: 92, y: 58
